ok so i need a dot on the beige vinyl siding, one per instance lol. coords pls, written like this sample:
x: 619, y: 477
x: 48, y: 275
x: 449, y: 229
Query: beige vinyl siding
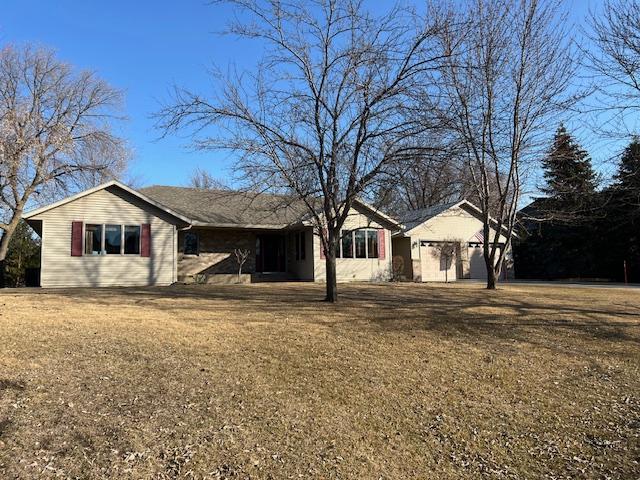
x: 356, y: 269
x: 108, y: 206
x: 456, y: 224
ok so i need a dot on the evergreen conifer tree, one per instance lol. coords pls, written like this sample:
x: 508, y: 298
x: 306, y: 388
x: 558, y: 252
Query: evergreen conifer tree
x: 569, y: 176
x: 627, y: 180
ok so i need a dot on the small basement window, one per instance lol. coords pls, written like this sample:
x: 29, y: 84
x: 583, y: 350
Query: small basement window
x: 191, y: 244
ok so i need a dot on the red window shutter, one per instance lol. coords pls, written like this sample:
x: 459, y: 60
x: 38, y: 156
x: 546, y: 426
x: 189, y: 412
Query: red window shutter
x: 145, y: 240
x: 322, y: 252
x: 381, y: 246
x: 76, y: 239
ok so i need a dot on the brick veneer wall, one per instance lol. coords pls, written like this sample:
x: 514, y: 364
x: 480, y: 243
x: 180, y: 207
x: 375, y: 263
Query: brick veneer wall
x: 216, y: 252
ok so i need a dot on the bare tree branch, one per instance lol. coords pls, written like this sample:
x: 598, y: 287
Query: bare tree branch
x: 327, y: 109
x: 54, y: 132
x: 509, y: 79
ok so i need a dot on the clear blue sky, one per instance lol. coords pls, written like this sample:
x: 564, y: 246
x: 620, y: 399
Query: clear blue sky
x: 143, y: 47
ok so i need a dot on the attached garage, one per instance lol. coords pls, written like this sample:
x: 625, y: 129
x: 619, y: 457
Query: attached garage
x: 456, y: 224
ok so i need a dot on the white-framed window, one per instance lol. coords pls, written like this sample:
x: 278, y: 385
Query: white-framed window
x: 360, y: 243
x: 111, y: 239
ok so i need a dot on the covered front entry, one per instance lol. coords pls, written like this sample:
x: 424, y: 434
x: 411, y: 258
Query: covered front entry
x: 270, y: 253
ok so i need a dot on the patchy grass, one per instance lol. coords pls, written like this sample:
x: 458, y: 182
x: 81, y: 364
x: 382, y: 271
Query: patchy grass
x: 265, y: 381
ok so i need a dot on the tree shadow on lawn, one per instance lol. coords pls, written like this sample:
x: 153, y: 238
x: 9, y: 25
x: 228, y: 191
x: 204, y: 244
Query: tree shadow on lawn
x: 507, y: 319
x: 471, y: 313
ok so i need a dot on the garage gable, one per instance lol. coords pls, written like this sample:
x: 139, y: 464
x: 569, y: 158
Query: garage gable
x: 460, y: 222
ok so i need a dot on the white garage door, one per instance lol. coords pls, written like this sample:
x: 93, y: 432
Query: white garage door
x: 436, y: 267
x: 477, y: 267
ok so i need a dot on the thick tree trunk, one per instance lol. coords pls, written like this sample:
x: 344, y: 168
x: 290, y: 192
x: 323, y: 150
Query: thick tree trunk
x: 4, y: 247
x: 491, y: 279
x: 3, y: 254
x: 332, y: 281
x: 4, y: 243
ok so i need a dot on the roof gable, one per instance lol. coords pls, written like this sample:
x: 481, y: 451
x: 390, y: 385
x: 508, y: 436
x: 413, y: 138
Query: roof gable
x: 381, y: 215
x: 104, y: 186
x: 417, y: 218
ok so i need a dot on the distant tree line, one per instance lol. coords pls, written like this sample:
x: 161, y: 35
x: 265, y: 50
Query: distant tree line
x: 577, y: 231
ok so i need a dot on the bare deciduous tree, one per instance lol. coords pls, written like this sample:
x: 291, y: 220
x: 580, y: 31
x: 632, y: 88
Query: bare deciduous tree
x: 427, y: 180
x: 434, y: 176
x: 330, y: 106
x: 241, y: 257
x: 103, y: 161
x: 615, y: 31
x: 203, y: 180
x: 507, y: 81
x: 54, y: 130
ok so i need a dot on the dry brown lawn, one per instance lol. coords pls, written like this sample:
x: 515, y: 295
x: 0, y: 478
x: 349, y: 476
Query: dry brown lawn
x: 265, y: 381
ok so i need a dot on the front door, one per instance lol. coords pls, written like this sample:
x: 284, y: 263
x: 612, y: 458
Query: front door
x: 270, y: 253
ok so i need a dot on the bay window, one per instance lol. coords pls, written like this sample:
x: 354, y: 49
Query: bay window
x: 372, y: 244
x: 347, y: 244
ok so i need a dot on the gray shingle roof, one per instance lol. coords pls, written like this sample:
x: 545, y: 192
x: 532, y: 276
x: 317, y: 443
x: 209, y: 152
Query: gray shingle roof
x: 229, y: 207
x: 413, y: 218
